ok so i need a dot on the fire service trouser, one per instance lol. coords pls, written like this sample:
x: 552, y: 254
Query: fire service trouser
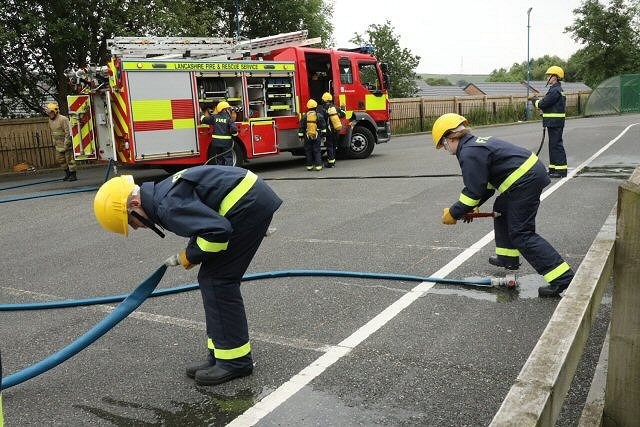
x: 219, y: 279
x: 515, y: 229
x: 557, y: 155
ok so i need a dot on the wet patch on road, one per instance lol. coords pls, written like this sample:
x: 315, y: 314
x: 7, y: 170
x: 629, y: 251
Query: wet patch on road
x: 214, y: 410
x: 619, y: 171
x: 527, y: 288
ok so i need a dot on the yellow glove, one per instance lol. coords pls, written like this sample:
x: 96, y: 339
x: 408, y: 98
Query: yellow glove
x: 179, y: 259
x: 447, y: 218
x: 468, y: 219
x: 184, y: 261
x: 530, y: 97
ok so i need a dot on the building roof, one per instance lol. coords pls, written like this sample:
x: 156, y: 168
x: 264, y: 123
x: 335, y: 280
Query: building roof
x: 540, y: 86
x: 496, y: 88
x: 520, y: 88
x: 426, y: 90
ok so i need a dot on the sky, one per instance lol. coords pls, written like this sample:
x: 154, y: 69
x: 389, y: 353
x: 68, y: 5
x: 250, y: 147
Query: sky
x: 464, y: 36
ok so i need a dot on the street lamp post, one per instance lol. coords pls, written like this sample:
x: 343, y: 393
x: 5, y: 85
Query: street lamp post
x: 528, y: 63
x: 237, y: 21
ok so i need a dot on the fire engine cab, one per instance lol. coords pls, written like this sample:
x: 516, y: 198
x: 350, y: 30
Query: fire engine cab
x: 143, y: 107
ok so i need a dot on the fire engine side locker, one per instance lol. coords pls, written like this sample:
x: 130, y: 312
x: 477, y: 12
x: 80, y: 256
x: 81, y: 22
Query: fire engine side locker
x: 163, y: 114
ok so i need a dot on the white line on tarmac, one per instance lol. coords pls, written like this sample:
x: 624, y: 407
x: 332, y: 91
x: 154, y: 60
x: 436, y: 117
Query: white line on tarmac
x: 299, y: 344
x: 261, y: 409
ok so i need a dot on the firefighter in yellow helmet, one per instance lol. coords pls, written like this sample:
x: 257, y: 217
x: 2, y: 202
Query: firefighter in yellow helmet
x: 61, y: 135
x: 312, y: 133
x: 225, y: 213
x: 332, y: 116
x: 487, y: 164
x: 553, y: 106
x: 220, y: 150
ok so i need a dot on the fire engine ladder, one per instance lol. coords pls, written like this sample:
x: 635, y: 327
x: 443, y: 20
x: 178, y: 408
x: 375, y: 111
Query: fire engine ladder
x: 203, y: 47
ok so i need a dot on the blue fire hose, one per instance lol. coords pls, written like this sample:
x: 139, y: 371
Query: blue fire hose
x: 124, y: 309
x: 53, y: 193
x: 488, y: 282
x: 147, y: 289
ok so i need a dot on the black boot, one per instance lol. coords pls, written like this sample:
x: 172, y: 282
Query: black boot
x: 72, y: 176
x: 494, y: 260
x: 67, y: 174
x: 551, y: 291
x: 217, y: 375
x: 197, y: 366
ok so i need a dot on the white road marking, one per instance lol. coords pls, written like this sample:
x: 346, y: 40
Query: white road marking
x: 261, y: 409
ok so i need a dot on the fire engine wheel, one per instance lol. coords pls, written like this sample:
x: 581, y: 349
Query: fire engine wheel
x: 361, y: 144
x: 239, y: 158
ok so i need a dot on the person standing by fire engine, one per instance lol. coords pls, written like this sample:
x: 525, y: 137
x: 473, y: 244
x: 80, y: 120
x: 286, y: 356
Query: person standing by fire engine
x: 225, y: 212
x: 553, y: 106
x: 488, y: 164
x: 312, y: 132
x: 224, y: 131
x: 332, y: 116
x: 61, y: 135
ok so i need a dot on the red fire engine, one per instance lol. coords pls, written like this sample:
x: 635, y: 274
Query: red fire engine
x: 143, y: 107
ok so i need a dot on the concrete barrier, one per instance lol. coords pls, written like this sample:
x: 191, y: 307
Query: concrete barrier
x: 537, y: 396
x: 622, y: 394
x: 540, y: 389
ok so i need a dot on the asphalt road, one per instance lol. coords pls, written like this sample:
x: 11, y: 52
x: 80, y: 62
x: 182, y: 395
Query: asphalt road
x: 328, y: 350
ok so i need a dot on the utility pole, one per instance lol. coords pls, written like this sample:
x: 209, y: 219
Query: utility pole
x: 528, y: 63
x: 237, y: 21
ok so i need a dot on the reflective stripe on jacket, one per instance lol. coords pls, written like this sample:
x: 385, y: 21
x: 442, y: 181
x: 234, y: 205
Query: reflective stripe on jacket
x: 208, y: 204
x: 223, y: 129
x: 553, y: 106
x: 487, y: 164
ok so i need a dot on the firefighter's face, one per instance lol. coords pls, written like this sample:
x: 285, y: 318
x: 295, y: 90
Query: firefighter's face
x: 451, y: 145
x: 134, y: 218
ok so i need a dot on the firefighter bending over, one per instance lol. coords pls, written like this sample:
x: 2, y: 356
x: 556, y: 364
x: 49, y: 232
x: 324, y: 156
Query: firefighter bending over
x: 332, y: 116
x: 61, y: 134
x: 487, y: 164
x: 225, y: 212
x: 224, y: 131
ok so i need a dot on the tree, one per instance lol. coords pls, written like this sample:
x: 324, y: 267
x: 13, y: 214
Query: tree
x: 41, y: 39
x: 286, y: 16
x: 610, y: 35
x: 400, y: 60
x: 518, y: 72
x: 440, y: 81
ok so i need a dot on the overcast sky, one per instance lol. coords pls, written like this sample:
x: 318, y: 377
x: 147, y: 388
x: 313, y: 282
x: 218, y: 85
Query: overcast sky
x: 464, y: 36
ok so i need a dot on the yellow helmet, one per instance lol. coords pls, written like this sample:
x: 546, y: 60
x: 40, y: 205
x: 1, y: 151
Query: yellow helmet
x: 52, y: 106
x: 222, y: 105
x: 445, y: 123
x: 311, y: 104
x: 326, y: 97
x: 554, y: 69
x: 110, y: 204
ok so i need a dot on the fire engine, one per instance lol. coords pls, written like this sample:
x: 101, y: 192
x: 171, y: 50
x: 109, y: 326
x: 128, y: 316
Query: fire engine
x: 143, y: 107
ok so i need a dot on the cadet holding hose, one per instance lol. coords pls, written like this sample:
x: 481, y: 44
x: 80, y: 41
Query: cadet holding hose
x: 225, y: 212
x: 487, y: 164
x: 553, y: 106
